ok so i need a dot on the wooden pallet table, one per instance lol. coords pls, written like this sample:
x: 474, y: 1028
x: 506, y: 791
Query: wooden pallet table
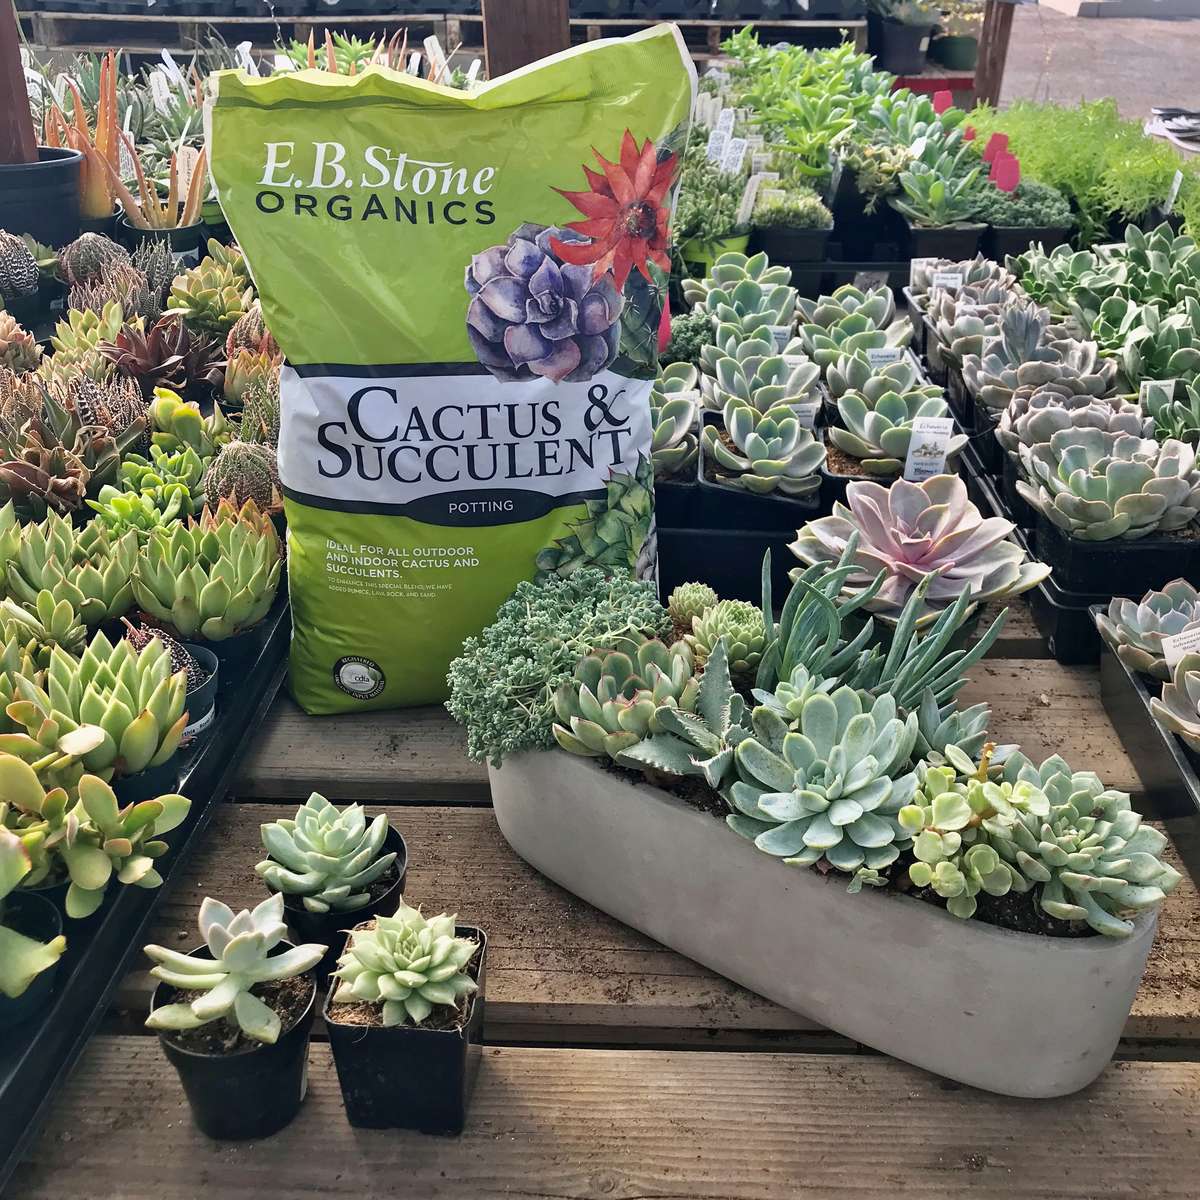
x: 615, y: 1067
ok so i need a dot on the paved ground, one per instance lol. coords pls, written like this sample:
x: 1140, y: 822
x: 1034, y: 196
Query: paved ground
x: 1140, y: 62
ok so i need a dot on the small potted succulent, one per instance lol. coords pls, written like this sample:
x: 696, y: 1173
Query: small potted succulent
x: 675, y: 444
x: 899, y: 32
x: 241, y: 1045
x: 31, y: 940
x: 333, y: 869
x: 175, y: 220
x: 405, y: 1021
x: 705, y: 222
x: 198, y: 663
x: 1031, y: 213
x: 793, y: 228
x: 940, y: 204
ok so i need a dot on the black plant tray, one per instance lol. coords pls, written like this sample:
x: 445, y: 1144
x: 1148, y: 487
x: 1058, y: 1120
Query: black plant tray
x: 1167, y: 768
x: 728, y: 560
x: 1064, y: 620
x: 916, y: 318
x: 37, y: 1056
x: 1019, y: 509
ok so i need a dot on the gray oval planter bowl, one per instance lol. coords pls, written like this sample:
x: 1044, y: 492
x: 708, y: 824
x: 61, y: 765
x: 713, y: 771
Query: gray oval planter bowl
x: 1014, y: 1013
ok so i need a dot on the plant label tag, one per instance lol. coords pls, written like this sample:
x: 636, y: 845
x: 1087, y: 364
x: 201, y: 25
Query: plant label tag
x: 716, y: 145
x: 949, y: 281
x: 734, y: 157
x: 438, y: 67
x: 770, y: 176
x: 918, y: 264
x: 770, y: 195
x: 725, y: 121
x: 760, y: 161
x: 756, y: 141
x: 1173, y: 193
x: 1155, y: 391
x: 749, y: 196
x: 1179, y: 644
x: 792, y: 361
x: 806, y: 412
x: 782, y: 335
x: 186, y: 158
x: 924, y: 44
x: 869, y: 280
x: 474, y: 69
x: 884, y: 356
x: 927, y: 448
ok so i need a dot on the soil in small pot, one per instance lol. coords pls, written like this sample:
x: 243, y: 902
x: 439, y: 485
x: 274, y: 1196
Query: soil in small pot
x: 288, y: 997
x: 838, y: 462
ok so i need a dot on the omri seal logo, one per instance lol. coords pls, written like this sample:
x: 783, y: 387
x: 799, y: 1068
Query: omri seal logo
x: 359, y: 677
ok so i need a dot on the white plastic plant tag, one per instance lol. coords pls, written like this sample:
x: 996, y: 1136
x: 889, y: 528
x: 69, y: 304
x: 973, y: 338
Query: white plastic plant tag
x: 414, y: 63
x: 246, y: 58
x: 770, y: 195
x: 792, y: 361
x: 916, y: 265
x: 868, y: 280
x: 716, y: 145
x: 884, y: 356
x: 806, y: 412
x: 924, y: 44
x: 782, y: 335
x: 734, y: 157
x: 201, y: 725
x: 948, y: 281
x: 1173, y: 193
x: 186, y: 158
x: 1179, y: 644
x: 474, y: 69
x: 927, y: 448
x: 438, y: 67
x: 1152, y: 391
x: 760, y: 161
x: 756, y: 141
x: 726, y: 119
x: 770, y: 176
x: 749, y: 196
x: 160, y: 89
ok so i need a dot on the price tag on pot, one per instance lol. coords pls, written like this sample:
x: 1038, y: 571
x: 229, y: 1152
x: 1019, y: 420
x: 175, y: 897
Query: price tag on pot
x: 948, y: 281
x: 884, y: 356
x: 782, y: 335
x: 806, y: 412
x: 1153, y: 392
x: 716, y: 145
x: 927, y: 448
x: 1179, y: 644
x: 734, y: 156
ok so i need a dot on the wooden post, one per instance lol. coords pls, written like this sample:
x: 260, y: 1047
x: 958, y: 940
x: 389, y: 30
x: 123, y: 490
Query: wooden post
x: 516, y: 32
x: 993, y: 50
x: 17, y: 141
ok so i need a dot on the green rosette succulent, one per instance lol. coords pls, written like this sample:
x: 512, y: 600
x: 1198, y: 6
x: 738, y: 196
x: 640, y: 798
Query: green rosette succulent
x: 327, y: 856
x: 770, y: 452
x: 851, y: 337
x: 210, y: 297
x: 674, y: 411
x: 213, y: 580
x: 178, y: 424
x: 763, y: 381
x: 741, y: 625
x: 614, y: 697
x: 44, y: 624
x: 827, y: 784
x: 164, y: 472
x: 240, y: 948
x: 1135, y: 629
x: 22, y: 959
x: 688, y: 601
x: 755, y: 300
x: 140, y: 513
x: 731, y: 269
x: 407, y: 964
x: 1035, y: 415
x: 854, y: 373
x: 878, y: 431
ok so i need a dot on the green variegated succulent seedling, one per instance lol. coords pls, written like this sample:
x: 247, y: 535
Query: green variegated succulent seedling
x: 740, y: 624
x: 615, y: 696
x: 240, y: 948
x: 22, y: 959
x: 878, y: 430
x: 327, y: 856
x: 1091, y: 857
x: 771, y: 452
x: 826, y: 784
x: 674, y: 411
x: 1135, y: 629
x: 406, y: 964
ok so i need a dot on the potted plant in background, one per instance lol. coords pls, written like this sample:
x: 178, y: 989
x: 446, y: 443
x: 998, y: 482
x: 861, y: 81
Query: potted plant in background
x: 705, y: 222
x: 31, y: 940
x: 1031, y: 212
x: 333, y: 869
x: 241, y: 1046
x: 39, y: 185
x: 939, y: 204
x: 405, y: 1021
x: 176, y: 220
x: 791, y: 228
x: 959, y: 25
x: 899, y: 32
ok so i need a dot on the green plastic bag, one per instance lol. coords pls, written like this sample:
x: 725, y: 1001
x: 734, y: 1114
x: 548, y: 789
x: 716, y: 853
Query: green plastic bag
x: 468, y: 289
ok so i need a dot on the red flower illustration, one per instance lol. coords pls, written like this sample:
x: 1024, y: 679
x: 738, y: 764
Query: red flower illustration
x: 626, y: 217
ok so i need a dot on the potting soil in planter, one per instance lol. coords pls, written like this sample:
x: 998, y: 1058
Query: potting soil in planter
x: 469, y: 289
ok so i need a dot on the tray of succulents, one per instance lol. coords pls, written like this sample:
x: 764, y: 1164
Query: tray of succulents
x: 64, y: 945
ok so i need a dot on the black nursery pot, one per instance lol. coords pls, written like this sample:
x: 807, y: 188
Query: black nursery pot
x: 955, y: 242
x: 329, y: 929
x: 1117, y: 567
x: 1002, y: 240
x: 407, y: 1077
x: 103, y: 225
x: 899, y: 48
x: 202, y: 703
x: 674, y: 501
x: 728, y: 560
x: 1019, y: 509
x: 791, y: 245
x: 148, y: 784
x: 42, y: 198
x: 253, y: 1093
x: 185, y: 243
x: 36, y: 917
x: 235, y: 653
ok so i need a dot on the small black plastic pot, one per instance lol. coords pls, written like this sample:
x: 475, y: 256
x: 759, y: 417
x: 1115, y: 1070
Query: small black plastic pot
x: 956, y: 51
x: 148, y: 784
x: 1019, y: 509
x: 102, y: 225
x: 899, y: 48
x: 675, y: 502
x: 185, y: 243
x: 251, y: 1094
x: 36, y: 917
x: 955, y: 242
x: 1063, y: 620
x: 406, y: 1076
x: 237, y: 652
x: 916, y: 318
x: 42, y: 198
x: 1117, y: 567
x: 786, y: 246
x: 1003, y: 240
x: 202, y: 703
x: 728, y: 560
x: 962, y: 403
x: 329, y: 929
x: 991, y: 453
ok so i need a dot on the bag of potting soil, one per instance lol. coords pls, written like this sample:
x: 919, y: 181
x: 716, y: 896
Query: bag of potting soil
x: 468, y: 289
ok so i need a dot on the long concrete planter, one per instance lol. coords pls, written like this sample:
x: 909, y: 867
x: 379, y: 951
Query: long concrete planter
x: 1014, y: 1013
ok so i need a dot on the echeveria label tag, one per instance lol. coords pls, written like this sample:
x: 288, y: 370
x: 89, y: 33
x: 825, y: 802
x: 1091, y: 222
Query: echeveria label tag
x: 782, y: 335
x: 927, y: 447
x: 884, y: 356
x: 806, y: 412
x: 734, y: 156
x: 948, y: 281
x: 716, y: 145
x: 1152, y: 392
x: 1179, y: 644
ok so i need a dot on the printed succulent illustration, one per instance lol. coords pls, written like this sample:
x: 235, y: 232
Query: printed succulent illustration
x: 534, y: 314
x: 1135, y: 629
x: 1098, y: 485
x: 407, y: 964
x: 326, y: 855
x: 915, y: 531
x: 616, y: 533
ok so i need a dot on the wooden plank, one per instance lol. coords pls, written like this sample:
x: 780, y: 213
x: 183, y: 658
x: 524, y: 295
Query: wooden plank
x: 558, y: 967
x: 551, y: 1124
x: 17, y: 141
x: 1020, y: 637
x: 518, y: 32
